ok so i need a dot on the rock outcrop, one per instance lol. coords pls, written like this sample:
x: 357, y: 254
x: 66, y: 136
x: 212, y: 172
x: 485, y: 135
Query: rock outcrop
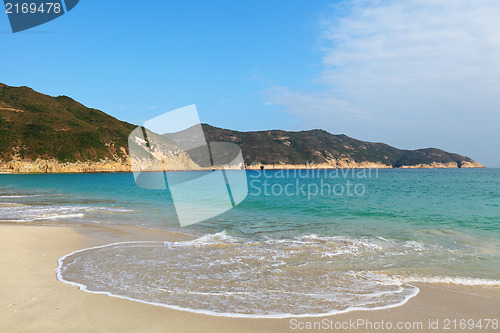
x: 348, y: 164
x: 55, y: 166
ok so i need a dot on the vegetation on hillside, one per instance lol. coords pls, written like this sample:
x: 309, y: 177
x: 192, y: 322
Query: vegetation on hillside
x: 318, y: 146
x: 34, y: 125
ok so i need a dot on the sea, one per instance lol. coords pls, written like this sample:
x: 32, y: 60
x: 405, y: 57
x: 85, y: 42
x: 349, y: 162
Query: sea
x: 302, y: 242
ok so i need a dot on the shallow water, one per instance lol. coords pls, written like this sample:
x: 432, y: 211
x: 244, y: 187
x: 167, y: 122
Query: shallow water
x: 308, y: 242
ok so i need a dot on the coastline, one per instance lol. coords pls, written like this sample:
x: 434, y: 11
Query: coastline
x: 40, y: 167
x: 33, y: 299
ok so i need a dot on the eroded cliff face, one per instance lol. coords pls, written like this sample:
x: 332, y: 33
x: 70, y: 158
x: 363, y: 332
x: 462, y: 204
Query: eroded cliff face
x: 176, y: 163
x: 451, y: 165
x: 55, y: 166
x: 472, y: 164
x: 182, y: 162
x: 338, y: 164
x: 350, y: 164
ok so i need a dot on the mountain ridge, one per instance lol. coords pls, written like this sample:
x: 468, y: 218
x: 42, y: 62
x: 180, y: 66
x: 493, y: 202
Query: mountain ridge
x: 321, y: 148
x: 41, y: 133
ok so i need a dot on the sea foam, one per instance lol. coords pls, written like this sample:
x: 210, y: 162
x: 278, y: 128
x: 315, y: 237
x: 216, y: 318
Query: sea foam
x: 220, y: 274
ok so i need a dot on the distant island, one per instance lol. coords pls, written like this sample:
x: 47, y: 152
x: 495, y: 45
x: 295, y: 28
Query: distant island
x: 44, y: 134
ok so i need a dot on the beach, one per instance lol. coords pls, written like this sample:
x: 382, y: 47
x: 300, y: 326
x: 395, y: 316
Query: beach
x: 246, y: 166
x: 33, y: 300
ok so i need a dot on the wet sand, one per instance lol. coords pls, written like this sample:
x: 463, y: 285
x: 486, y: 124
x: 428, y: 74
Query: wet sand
x: 32, y: 300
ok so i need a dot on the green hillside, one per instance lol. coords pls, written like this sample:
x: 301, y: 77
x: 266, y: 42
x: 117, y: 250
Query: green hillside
x: 318, y: 146
x: 35, y: 125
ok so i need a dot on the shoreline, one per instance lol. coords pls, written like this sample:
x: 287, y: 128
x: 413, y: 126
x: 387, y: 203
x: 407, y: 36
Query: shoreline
x: 258, y: 168
x: 211, y: 313
x: 34, y: 300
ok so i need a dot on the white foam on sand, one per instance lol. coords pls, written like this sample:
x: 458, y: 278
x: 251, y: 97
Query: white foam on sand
x: 223, y: 275
x: 383, y: 287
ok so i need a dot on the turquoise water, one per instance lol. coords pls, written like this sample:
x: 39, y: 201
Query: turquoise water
x: 333, y: 239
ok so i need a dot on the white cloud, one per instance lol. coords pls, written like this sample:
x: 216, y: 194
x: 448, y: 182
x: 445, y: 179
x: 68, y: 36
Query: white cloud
x: 313, y: 104
x: 404, y: 64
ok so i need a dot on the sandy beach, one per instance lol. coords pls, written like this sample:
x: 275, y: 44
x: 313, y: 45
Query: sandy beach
x: 34, y: 301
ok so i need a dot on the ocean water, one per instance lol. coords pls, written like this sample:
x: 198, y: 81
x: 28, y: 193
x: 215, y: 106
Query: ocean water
x: 303, y: 242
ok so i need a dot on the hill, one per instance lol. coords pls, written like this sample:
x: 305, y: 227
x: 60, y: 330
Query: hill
x: 323, y: 149
x: 57, y: 127
x: 41, y: 133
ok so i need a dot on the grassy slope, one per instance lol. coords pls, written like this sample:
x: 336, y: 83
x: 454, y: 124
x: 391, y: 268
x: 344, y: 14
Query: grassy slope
x: 56, y: 127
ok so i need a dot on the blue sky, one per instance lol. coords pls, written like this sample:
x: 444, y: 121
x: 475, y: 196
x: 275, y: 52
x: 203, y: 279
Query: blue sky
x: 412, y: 74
